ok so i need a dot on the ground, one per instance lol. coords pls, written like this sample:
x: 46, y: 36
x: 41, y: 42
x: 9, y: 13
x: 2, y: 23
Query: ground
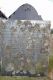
x: 22, y: 78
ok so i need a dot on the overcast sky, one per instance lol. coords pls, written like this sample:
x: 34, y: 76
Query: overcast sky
x: 43, y: 7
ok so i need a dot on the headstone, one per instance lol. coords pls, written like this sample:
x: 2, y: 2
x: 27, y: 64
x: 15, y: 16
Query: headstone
x: 26, y: 44
x: 25, y: 12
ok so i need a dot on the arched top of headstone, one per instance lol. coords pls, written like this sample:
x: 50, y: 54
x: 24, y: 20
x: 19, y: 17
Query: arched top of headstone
x: 25, y: 12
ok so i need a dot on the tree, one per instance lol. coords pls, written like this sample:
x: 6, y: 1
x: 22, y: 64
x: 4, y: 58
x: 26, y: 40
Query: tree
x: 51, y: 31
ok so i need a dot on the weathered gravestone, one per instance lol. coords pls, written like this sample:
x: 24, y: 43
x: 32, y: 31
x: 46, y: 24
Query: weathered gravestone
x: 25, y: 44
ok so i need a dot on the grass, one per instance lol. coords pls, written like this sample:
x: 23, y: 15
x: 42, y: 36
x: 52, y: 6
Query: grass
x: 21, y: 78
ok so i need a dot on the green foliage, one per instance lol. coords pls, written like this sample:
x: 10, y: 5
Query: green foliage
x: 51, y: 31
x: 50, y: 67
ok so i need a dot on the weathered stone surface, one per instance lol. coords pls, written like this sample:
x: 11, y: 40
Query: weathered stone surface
x: 25, y: 43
